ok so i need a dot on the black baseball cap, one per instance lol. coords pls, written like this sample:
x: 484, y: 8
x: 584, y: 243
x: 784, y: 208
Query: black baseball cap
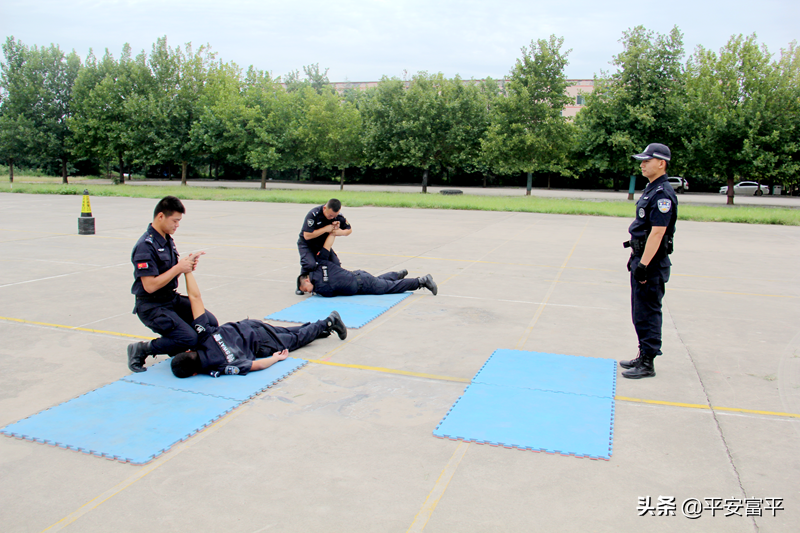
x: 654, y: 151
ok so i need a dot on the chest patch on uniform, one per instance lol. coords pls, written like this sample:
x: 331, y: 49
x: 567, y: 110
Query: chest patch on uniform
x: 141, y: 266
x: 641, y: 212
x: 231, y: 370
x: 664, y: 205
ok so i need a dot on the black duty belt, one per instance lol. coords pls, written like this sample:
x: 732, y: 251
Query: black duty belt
x: 636, y: 246
x: 163, y: 298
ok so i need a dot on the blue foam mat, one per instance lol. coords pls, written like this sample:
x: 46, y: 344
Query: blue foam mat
x: 550, y: 372
x: 238, y: 388
x: 356, y: 311
x: 538, y: 401
x: 142, y: 415
x: 569, y: 424
x: 123, y: 421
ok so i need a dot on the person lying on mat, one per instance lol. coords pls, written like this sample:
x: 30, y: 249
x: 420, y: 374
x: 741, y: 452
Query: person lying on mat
x: 330, y: 279
x: 236, y: 348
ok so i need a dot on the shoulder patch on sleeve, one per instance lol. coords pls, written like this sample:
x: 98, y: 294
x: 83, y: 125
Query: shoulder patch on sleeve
x: 231, y: 370
x: 199, y: 328
x: 141, y: 266
x: 664, y: 205
x: 310, y: 222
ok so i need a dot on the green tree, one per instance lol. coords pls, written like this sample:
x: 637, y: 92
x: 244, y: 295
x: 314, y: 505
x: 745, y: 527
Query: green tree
x: 435, y: 123
x: 638, y: 104
x: 164, y: 117
x: 315, y: 79
x: 102, y: 123
x: 739, y: 118
x: 37, y: 96
x: 332, y: 130
x: 528, y: 132
x: 218, y: 130
x: 16, y: 130
x: 788, y: 116
x: 268, y: 122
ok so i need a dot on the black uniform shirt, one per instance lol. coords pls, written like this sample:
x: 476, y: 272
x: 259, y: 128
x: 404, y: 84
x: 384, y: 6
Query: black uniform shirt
x: 330, y: 279
x: 316, y: 219
x: 153, y: 255
x: 658, y: 206
x: 227, y: 349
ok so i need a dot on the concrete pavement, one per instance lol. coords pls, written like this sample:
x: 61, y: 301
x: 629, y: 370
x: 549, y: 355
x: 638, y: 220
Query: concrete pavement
x: 341, y: 448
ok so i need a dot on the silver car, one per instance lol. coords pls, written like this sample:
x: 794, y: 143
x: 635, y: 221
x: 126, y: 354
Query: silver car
x: 747, y: 188
x: 681, y: 185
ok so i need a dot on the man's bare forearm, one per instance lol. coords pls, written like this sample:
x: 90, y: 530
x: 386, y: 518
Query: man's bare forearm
x: 195, y: 299
x: 653, y: 243
x: 314, y: 234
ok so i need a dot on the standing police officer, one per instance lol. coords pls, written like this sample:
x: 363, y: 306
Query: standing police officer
x: 651, y: 243
x: 319, y: 222
x: 156, y: 267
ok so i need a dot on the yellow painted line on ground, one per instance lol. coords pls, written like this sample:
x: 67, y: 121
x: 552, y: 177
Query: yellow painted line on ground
x: 144, y: 471
x: 389, y: 314
x: 392, y: 371
x: 415, y: 374
x: 439, y: 489
x: 708, y: 407
x: 73, y: 328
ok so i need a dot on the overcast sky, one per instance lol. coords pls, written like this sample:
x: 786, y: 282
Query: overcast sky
x: 362, y: 40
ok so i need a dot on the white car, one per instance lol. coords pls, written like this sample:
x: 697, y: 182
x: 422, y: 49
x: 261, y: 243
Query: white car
x: 747, y: 188
x: 680, y: 185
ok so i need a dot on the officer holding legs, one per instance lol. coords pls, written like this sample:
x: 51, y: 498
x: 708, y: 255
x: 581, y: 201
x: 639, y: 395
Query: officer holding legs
x: 156, y: 267
x: 651, y: 243
x: 329, y: 279
x: 318, y: 224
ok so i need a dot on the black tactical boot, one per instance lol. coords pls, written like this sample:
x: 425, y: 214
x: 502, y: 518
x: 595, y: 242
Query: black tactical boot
x: 632, y: 362
x: 334, y: 323
x: 401, y: 274
x: 645, y: 369
x: 137, y: 353
x: 427, y: 282
x: 298, y: 292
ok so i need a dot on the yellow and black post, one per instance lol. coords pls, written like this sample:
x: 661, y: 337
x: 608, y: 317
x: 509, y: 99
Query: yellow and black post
x: 86, y: 220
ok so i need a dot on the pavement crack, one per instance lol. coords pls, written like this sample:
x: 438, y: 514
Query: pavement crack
x: 714, y: 415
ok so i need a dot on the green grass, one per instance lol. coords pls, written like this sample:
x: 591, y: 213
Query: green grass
x: 527, y: 204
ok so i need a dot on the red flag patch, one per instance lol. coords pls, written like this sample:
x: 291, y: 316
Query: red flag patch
x: 141, y: 265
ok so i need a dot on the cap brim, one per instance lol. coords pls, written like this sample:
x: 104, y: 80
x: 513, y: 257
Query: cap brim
x: 643, y: 157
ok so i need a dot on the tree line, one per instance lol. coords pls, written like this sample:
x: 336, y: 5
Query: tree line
x: 727, y: 115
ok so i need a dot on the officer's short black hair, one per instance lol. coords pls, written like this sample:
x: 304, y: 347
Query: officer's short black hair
x: 300, y: 279
x: 334, y: 205
x: 186, y: 364
x: 169, y: 205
